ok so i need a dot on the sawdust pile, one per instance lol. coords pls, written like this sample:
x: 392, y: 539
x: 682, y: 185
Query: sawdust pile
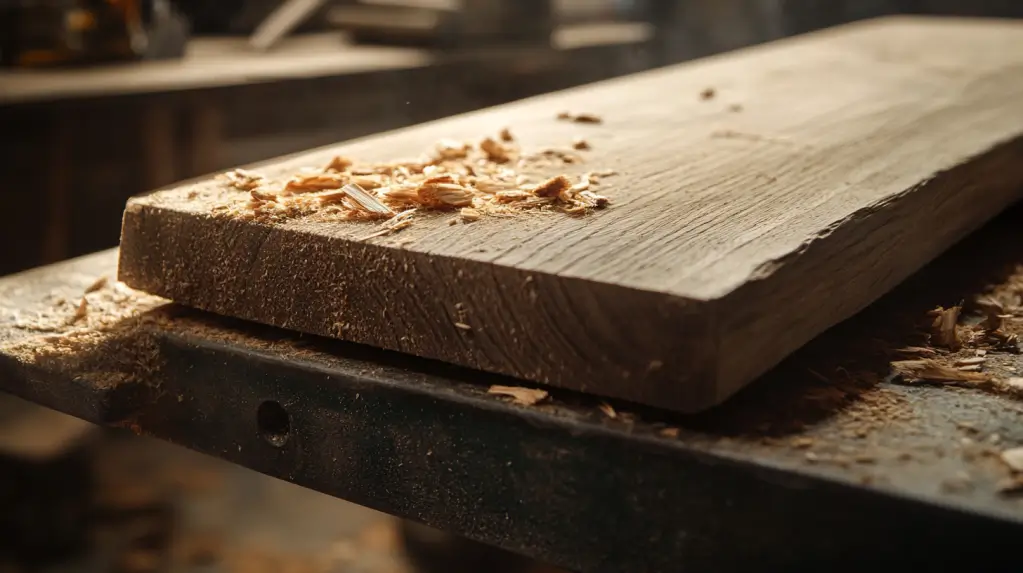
x: 492, y: 177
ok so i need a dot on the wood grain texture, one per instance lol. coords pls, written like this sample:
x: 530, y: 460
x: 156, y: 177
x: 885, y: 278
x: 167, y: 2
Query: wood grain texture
x: 733, y: 238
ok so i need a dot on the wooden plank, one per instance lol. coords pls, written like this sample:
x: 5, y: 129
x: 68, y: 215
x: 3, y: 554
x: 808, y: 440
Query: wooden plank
x: 733, y: 237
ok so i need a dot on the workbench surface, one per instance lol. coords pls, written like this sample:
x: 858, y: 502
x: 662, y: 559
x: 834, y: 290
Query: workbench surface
x: 218, y: 62
x: 823, y: 461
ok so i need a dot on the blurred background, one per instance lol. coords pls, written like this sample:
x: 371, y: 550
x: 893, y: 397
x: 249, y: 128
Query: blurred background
x: 104, y: 99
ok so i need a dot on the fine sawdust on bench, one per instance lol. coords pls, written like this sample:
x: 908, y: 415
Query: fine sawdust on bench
x: 491, y: 177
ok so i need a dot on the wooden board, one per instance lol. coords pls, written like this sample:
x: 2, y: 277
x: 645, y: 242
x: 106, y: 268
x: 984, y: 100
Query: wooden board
x: 733, y: 236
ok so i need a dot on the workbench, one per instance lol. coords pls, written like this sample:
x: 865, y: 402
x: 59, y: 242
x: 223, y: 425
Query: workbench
x: 824, y: 461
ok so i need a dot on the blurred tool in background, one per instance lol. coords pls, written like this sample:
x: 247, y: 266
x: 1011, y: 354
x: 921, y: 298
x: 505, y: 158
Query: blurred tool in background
x: 49, y: 33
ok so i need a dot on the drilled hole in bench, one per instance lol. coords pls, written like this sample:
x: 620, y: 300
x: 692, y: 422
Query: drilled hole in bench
x: 274, y: 423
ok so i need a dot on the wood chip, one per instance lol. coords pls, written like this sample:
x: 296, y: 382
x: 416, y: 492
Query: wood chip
x: 580, y: 117
x: 1013, y: 458
x: 932, y: 371
x: 339, y: 163
x: 506, y: 135
x: 520, y: 396
x: 306, y: 183
x: 444, y: 195
x: 708, y: 94
x: 81, y: 311
x: 244, y: 180
x: 264, y: 196
x: 365, y: 201
x: 462, y: 326
x: 469, y: 214
x: 97, y: 285
x: 552, y: 187
x: 669, y: 432
x: 495, y: 151
x: 608, y: 410
x: 449, y: 149
x: 945, y: 327
x: 580, y: 144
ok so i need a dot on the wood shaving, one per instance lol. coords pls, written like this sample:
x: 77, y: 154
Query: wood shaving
x: 339, y: 163
x: 97, y: 285
x: 81, y: 312
x: 243, y: 180
x: 462, y: 326
x: 306, y: 183
x: 1013, y: 458
x: 932, y: 371
x: 366, y: 202
x: 519, y: 395
x: 469, y: 214
x: 608, y: 410
x: 945, y: 327
x: 580, y: 117
x: 489, y: 178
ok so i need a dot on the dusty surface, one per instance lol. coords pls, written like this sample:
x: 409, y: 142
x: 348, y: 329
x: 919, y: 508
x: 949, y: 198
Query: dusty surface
x: 836, y: 409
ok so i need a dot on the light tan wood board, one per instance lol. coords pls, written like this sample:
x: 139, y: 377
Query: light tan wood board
x: 823, y: 171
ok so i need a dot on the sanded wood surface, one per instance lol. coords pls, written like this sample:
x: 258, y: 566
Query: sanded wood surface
x: 734, y: 236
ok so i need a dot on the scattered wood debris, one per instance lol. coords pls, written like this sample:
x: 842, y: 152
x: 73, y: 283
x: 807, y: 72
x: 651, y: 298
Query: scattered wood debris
x: 519, y: 395
x: 708, y: 94
x: 945, y: 327
x: 243, y: 180
x: 608, y: 410
x: 1013, y: 458
x: 932, y: 371
x: 492, y: 177
x: 580, y: 117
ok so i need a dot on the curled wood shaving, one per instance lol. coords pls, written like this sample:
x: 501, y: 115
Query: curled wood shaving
x: 519, y: 395
x: 927, y: 370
